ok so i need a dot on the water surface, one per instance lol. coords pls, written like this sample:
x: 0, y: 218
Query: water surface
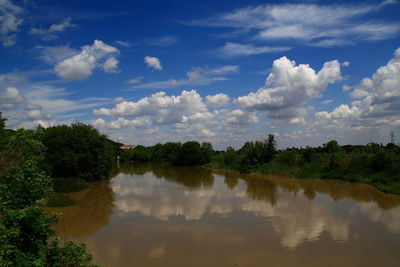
x: 149, y: 215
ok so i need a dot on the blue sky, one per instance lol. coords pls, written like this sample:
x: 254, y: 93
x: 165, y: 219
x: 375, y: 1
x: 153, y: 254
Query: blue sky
x: 220, y: 71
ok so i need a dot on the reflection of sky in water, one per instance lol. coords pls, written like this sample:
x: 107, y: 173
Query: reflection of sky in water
x: 160, y: 216
x: 294, y: 219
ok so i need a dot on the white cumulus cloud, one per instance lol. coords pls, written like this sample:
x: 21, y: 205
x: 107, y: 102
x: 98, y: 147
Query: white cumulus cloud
x: 111, y: 65
x: 288, y: 87
x: 153, y: 62
x: 217, y: 101
x: 10, y: 97
x: 80, y: 66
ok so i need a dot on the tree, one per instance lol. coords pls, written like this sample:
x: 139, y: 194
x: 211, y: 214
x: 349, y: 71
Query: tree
x: 25, y: 227
x: 331, y: 147
x: 3, y: 133
x: 207, y: 152
x: 2, y: 122
x: 230, y: 157
x: 190, y: 154
x: 270, y: 148
x: 78, y: 151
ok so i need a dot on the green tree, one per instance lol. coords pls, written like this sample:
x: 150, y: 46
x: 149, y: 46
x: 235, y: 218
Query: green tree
x: 25, y: 227
x: 190, y: 154
x: 231, y: 157
x: 331, y: 147
x: 207, y: 152
x: 79, y: 151
x: 270, y: 148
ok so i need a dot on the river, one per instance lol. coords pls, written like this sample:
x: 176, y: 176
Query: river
x: 151, y: 215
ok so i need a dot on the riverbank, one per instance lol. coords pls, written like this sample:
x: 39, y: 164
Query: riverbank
x: 382, y: 181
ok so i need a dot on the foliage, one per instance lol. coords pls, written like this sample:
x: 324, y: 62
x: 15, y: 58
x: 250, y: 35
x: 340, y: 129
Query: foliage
x: 25, y: 227
x: 373, y: 164
x: 231, y: 157
x: 25, y: 186
x: 331, y: 147
x: 71, y: 254
x: 79, y: 151
x: 188, y: 154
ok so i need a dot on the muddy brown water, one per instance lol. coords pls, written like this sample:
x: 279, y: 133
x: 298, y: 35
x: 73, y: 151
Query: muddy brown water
x: 149, y: 215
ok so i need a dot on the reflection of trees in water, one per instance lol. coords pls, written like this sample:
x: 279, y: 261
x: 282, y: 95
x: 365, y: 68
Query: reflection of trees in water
x: 136, y: 168
x: 197, y: 177
x: 309, y: 193
x: 92, y: 211
x: 191, y: 177
x: 264, y: 187
x: 338, y: 190
x: 231, y: 180
x: 262, y: 190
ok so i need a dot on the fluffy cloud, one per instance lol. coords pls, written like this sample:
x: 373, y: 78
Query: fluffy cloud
x: 163, y: 108
x: 379, y: 98
x: 217, y: 101
x: 111, y: 65
x: 196, y: 76
x: 80, y: 66
x: 321, y: 25
x: 10, y: 97
x: 288, y: 87
x: 41, y: 104
x: 241, y: 117
x: 34, y: 112
x: 9, y: 22
x: 236, y: 50
x: 153, y: 62
x: 122, y: 122
x: 50, y: 33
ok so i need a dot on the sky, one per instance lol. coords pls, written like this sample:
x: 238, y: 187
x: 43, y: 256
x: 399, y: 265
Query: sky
x: 225, y: 72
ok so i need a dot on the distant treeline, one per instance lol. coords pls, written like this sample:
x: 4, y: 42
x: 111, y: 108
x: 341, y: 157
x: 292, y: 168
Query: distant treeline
x: 373, y: 164
x: 186, y: 154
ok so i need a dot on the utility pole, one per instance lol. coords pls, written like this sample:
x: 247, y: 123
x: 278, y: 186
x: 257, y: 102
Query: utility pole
x: 392, y: 137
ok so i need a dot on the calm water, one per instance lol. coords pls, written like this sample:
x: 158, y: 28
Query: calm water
x: 157, y: 216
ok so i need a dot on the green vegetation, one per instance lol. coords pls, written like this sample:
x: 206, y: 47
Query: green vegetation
x: 25, y: 226
x: 186, y: 154
x: 372, y: 164
x: 77, y: 151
